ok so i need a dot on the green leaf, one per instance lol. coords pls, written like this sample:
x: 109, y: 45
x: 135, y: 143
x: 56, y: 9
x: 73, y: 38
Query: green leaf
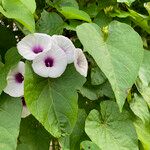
x: 140, y: 20
x: 103, y: 4
x: 143, y: 132
x: 140, y: 108
x: 32, y: 135
x: 78, y: 133
x: 137, y: 18
x: 110, y: 129
x: 72, y: 25
x: 12, y: 57
x: 97, y: 76
x: 109, y: 48
x: 96, y: 92
x: 54, y: 101
x: 18, y: 10
x: 50, y: 23
x: 72, y: 142
x: 86, y: 145
x: 61, y: 3
x: 10, y: 117
x: 102, y: 19
x: 143, y: 83
x: 74, y: 13
x: 92, y: 9
x: 30, y: 4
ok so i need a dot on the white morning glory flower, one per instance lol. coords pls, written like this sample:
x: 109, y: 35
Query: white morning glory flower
x: 34, y: 44
x: 15, y: 80
x: 51, y: 63
x: 25, y: 111
x: 66, y: 45
x: 80, y: 62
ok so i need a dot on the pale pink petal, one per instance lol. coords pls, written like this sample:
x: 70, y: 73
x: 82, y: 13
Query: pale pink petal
x: 51, y: 63
x: 66, y: 45
x: 15, y: 88
x: 34, y: 44
x: 80, y: 62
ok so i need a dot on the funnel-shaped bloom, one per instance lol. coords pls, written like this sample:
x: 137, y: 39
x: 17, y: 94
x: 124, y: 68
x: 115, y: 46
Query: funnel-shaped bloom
x: 51, y: 63
x: 66, y: 45
x: 15, y: 80
x: 34, y: 44
x: 25, y: 111
x: 80, y: 62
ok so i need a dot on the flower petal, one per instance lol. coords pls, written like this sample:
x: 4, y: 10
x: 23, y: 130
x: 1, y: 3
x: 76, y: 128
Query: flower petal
x: 80, y: 62
x: 66, y: 45
x: 33, y: 44
x: 25, y: 112
x: 50, y: 64
x: 14, y: 88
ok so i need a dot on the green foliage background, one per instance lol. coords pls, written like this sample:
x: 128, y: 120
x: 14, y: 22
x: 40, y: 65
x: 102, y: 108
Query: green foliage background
x: 110, y: 109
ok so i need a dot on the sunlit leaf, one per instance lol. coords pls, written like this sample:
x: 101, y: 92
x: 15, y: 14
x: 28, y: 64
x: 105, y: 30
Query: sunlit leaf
x: 110, y: 129
x: 118, y: 51
x: 10, y: 117
x: 20, y: 11
x: 54, y: 101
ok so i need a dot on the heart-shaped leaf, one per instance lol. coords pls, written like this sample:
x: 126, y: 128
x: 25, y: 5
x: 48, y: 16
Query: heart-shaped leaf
x: 110, y: 129
x: 54, y: 101
x: 118, y: 52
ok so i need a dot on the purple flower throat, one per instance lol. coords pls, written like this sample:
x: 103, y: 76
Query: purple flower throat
x: 37, y: 49
x: 19, y: 78
x: 49, y: 62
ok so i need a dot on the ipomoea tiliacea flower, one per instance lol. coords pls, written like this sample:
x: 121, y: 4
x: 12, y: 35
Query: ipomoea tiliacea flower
x: 25, y: 111
x: 80, y: 62
x: 34, y: 44
x: 51, y: 63
x: 66, y: 45
x: 15, y: 80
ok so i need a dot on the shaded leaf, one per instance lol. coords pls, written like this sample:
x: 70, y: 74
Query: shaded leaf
x: 72, y: 142
x: 97, y: 76
x: 96, y: 92
x: 78, y: 133
x: 50, y: 23
x: 32, y: 135
x: 102, y: 19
